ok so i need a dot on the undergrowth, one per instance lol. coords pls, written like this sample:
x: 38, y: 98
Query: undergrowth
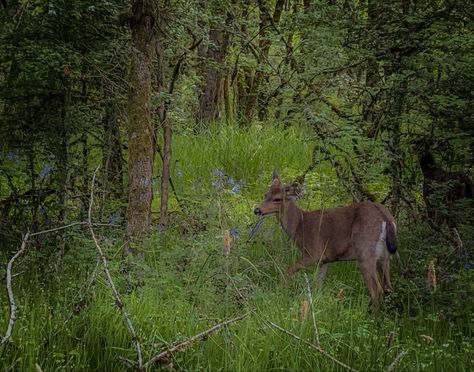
x: 66, y: 321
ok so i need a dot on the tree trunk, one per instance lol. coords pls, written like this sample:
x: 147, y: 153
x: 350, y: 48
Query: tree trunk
x: 140, y: 130
x: 63, y: 164
x: 112, y: 154
x: 211, y: 97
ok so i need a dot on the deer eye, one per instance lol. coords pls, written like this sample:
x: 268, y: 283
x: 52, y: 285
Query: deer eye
x: 277, y: 200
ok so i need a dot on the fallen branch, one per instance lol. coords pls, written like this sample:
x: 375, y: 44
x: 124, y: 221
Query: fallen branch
x: 186, y: 343
x: 396, y: 361
x: 315, y: 347
x: 118, y: 299
x: 11, y: 299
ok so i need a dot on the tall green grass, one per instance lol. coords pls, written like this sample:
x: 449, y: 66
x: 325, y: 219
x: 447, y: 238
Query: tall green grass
x: 190, y: 285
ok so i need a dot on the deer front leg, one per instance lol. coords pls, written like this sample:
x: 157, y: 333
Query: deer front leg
x: 301, y: 263
x: 322, y: 271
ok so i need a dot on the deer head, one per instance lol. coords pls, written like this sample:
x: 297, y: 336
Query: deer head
x: 278, y: 195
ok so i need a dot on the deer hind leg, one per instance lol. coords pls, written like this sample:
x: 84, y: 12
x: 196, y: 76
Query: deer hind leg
x: 384, y: 273
x: 304, y: 261
x: 369, y: 273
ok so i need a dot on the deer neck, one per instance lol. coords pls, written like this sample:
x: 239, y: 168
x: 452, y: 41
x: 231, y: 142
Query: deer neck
x: 291, y: 217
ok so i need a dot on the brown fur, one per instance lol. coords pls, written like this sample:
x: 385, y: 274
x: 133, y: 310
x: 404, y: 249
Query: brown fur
x: 335, y: 234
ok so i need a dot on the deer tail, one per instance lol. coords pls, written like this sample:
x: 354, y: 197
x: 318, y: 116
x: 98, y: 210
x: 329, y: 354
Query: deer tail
x: 391, y: 238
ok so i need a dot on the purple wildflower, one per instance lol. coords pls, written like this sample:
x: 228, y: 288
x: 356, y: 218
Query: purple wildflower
x: 218, y: 173
x: 234, y: 232
x: 46, y: 171
x: 236, y: 189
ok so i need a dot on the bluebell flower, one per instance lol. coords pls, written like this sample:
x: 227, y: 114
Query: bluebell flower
x: 256, y: 228
x: 233, y: 232
x: 12, y: 156
x: 218, y: 173
x: 236, y: 189
x: 231, y: 181
x: 468, y: 265
x: 46, y: 171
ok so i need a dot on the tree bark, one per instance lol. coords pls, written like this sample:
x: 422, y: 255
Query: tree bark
x: 211, y: 99
x: 256, y: 97
x: 141, y: 143
x: 63, y: 163
x: 212, y: 96
x: 112, y: 154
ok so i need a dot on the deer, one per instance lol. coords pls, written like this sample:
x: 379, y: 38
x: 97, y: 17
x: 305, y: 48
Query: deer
x: 442, y: 189
x: 364, y: 232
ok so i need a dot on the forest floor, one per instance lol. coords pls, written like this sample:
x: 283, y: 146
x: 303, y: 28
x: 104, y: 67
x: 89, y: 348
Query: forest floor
x: 67, y: 318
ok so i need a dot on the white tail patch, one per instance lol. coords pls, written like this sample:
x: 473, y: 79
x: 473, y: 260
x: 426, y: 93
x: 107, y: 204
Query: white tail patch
x: 380, y: 246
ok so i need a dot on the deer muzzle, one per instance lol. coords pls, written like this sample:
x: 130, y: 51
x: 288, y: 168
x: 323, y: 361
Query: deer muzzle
x: 258, y: 211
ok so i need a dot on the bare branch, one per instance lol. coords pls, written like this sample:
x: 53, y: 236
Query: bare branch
x: 315, y: 347
x: 11, y: 299
x: 186, y: 343
x: 72, y: 225
x: 396, y: 361
x: 118, y: 299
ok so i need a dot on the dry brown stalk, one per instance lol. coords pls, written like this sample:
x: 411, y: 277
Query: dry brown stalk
x: 186, y: 343
x: 118, y: 299
x: 313, y: 346
x: 431, y: 276
x: 227, y: 243
x: 303, y: 310
x: 11, y: 299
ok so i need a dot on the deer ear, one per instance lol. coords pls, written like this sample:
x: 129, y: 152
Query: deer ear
x: 275, y: 175
x: 294, y: 189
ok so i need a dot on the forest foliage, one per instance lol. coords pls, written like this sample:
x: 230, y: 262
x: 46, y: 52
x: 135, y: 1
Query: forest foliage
x: 185, y: 108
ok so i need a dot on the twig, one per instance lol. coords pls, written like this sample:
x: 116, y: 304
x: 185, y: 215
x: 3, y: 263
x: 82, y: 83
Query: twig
x: 118, y: 300
x: 310, y: 296
x: 72, y: 225
x: 315, y: 347
x: 457, y: 239
x: 186, y: 343
x: 11, y: 299
x: 396, y: 361
x: 255, y: 228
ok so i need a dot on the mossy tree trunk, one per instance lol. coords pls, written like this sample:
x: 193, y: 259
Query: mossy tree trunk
x: 140, y: 130
x: 211, y: 99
